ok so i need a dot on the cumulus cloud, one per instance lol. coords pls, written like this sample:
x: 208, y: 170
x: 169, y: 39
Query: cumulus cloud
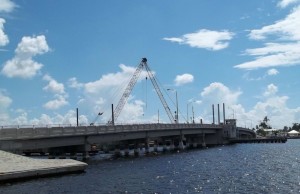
x: 271, y: 90
x: 53, y: 86
x: 206, y: 39
x: 183, y: 79
x: 68, y: 118
x: 73, y: 83
x: 272, y: 72
x: 7, y: 6
x: 22, y: 65
x: 3, y: 37
x: 108, y: 89
x: 284, y: 52
x: 219, y: 93
x: 285, y: 3
x: 271, y: 104
x: 56, y: 103
x: 5, y: 102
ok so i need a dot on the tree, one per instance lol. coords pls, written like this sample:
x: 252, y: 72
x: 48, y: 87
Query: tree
x: 296, y: 126
x: 264, y: 123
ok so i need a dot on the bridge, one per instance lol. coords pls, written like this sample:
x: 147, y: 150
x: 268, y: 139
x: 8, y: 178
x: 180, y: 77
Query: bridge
x: 57, y: 140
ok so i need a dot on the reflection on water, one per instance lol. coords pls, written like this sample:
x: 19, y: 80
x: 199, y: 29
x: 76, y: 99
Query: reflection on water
x: 240, y: 168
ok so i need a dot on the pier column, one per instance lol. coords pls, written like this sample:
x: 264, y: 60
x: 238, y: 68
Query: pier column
x: 164, y: 146
x: 86, y: 148
x: 117, y: 152
x: 126, y: 150
x: 181, y: 144
x: 172, y: 146
x: 136, y: 150
x: 147, y: 146
x: 203, y: 140
x: 155, y: 146
x: 195, y: 144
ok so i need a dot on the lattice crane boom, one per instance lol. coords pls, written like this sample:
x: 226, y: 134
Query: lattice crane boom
x: 159, y: 93
x: 130, y: 86
x: 127, y: 91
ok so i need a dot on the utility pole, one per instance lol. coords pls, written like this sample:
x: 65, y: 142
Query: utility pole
x: 193, y: 114
x: 177, y: 119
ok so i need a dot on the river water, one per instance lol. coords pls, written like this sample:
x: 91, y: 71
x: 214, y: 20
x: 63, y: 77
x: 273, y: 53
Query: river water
x: 239, y: 168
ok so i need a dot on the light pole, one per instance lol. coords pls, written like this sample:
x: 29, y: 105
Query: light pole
x: 176, y: 113
x: 232, y: 112
x: 187, y: 109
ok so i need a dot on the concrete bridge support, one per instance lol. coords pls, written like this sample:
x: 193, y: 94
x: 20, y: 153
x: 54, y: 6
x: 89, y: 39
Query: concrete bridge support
x: 164, y: 146
x: 172, y: 145
x: 155, y: 145
x: 126, y: 150
x: 136, y: 150
x: 203, y: 140
x: 117, y: 152
x: 147, y: 151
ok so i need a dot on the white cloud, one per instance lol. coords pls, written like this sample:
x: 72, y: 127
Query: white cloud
x: 207, y: 39
x: 183, y: 79
x: 56, y: 103
x: 271, y: 104
x: 107, y: 90
x: 22, y: 65
x: 219, y: 93
x: 284, y: 53
x: 3, y: 37
x: 272, y: 72
x: 46, y: 120
x: 53, y: 86
x: 7, y: 6
x: 285, y: 3
x: 286, y: 29
x: 271, y: 90
x: 5, y: 102
x: 73, y: 83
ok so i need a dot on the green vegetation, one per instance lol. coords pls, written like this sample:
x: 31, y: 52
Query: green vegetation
x: 264, y: 124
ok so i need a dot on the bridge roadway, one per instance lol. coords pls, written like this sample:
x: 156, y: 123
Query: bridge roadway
x: 80, y: 138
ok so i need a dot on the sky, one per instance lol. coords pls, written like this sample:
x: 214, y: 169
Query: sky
x: 56, y: 56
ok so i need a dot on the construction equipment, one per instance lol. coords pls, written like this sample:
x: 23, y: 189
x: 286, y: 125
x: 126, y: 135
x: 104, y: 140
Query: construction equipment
x: 130, y: 86
x: 98, y: 115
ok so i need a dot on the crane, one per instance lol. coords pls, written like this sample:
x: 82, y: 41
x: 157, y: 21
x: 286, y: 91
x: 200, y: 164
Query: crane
x: 130, y: 86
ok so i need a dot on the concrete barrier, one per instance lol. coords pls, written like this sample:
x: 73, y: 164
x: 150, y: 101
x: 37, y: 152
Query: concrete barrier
x: 19, y: 167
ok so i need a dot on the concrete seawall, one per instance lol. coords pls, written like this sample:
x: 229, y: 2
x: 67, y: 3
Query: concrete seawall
x: 14, y: 167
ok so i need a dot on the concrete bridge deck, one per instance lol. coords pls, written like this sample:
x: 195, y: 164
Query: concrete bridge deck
x: 70, y: 139
x: 37, y: 132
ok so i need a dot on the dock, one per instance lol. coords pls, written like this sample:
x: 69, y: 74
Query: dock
x: 261, y: 140
x: 17, y: 167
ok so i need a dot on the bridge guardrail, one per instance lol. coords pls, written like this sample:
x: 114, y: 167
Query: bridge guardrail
x: 57, y: 131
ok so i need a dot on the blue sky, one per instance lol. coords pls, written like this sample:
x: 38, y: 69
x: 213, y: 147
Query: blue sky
x: 56, y: 56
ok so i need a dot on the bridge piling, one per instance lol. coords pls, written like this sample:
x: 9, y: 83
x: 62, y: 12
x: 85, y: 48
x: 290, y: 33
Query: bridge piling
x: 136, y: 150
x: 155, y: 146
x: 203, y: 140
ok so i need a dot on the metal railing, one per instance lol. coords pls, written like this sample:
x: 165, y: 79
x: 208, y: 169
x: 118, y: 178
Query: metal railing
x: 34, y: 131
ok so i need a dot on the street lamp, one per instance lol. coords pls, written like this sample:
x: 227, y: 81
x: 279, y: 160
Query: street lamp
x: 187, y: 110
x: 176, y: 113
x: 232, y: 112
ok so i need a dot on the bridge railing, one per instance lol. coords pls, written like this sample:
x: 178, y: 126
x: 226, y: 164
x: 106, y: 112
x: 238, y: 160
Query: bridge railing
x: 58, y: 131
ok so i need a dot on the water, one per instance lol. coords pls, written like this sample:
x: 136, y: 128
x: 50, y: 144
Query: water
x: 240, y: 168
